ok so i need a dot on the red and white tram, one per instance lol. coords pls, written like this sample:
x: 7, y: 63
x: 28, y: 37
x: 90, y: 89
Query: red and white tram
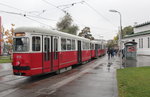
x: 39, y: 50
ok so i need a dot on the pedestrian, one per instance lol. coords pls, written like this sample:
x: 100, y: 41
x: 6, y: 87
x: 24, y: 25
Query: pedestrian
x: 109, y: 53
x: 112, y: 52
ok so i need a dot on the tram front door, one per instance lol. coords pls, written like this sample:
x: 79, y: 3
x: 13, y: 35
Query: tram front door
x: 79, y: 52
x: 96, y: 50
x: 50, y: 53
x: 54, y: 55
x: 46, y: 54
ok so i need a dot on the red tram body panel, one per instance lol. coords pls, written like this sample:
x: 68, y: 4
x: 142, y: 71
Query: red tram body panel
x: 67, y: 58
x: 86, y: 55
x: 93, y: 54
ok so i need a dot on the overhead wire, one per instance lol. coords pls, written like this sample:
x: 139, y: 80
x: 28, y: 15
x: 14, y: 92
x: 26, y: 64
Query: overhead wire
x: 11, y: 12
x: 54, y: 6
x: 98, y: 13
x: 24, y: 15
x: 82, y: 2
x: 91, y: 7
x: 38, y: 22
x: 11, y: 7
x: 58, y: 7
x: 70, y: 5
x: 64, y: 11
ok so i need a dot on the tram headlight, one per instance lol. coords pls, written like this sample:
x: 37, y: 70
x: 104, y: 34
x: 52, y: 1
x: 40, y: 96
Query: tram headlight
x: 17, y: 63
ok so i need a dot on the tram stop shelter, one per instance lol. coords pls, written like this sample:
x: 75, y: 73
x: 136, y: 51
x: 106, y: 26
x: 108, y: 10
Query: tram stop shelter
x: 130, y: 53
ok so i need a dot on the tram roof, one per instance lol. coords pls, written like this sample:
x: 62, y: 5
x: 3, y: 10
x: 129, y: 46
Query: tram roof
x: 95, y: 41
x: 48, y: 31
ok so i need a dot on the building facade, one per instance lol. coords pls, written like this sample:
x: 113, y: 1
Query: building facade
x: 142, y: 37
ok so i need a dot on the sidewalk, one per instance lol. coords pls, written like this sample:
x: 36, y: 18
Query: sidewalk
x: 99, y: 82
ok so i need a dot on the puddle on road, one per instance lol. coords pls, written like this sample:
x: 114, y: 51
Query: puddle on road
x: 43, y: 95
x: 5, y: 66
x: 9, y: 78
x: 45, y: 91
x: 99, y: 66
x: 90, y: 73
x: 6, y: 92
x: 139, y: 62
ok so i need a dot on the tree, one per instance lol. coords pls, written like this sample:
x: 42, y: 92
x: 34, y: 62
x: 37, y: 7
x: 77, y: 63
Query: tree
x: 86, y: 33
x: 8, y: 39
x: 111, y: 44
x: 8, y: 35
x: 116, y: 38
x: 65, y: 25
x: 128, y: 30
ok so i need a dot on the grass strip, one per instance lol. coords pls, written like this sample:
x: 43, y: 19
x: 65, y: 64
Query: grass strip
x: 134, y: 82
x: 5, y: 59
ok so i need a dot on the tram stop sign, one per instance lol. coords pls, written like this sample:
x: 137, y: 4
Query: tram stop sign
x: 130, y: 50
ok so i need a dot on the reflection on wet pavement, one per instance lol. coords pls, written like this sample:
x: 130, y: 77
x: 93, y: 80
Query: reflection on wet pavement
x: 139, y: 62
x: 5, y: 66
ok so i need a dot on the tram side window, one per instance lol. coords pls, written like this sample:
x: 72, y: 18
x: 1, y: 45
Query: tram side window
x: 55, y: 45
x: 46, y: 48
x: 100, y: 47
x: 73, y: 45
x: 92, y: 48
x: 21, y: 44
x: 63, y: 44
x: 68, y: 44
x: 55, y: 48
x: 36, y: 43
x: 87, y: 46
x: 84, y: 46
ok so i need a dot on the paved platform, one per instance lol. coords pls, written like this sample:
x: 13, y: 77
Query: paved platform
x: 99, y: 82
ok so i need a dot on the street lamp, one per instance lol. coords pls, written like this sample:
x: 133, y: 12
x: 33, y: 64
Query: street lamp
x: 120, y: 20
x: 120, y: 34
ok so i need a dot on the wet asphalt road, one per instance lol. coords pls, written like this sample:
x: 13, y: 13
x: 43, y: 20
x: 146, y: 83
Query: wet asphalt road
x: 19, y: 86
x: 89, y: 80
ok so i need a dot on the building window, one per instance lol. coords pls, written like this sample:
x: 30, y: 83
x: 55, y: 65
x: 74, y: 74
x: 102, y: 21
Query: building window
x: 148, y: 43
x: 139, y: 43
x: 142, y: 43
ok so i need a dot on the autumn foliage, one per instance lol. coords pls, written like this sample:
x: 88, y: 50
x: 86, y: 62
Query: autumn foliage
x: 8, y: 35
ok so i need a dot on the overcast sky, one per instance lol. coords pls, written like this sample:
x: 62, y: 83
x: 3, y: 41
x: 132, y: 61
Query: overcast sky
x: 103, y: 24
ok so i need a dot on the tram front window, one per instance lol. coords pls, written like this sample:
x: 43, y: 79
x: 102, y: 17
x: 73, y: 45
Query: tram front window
x: 21, y: 44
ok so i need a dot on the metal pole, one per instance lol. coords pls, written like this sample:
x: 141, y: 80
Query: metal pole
x: 120, y: 36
